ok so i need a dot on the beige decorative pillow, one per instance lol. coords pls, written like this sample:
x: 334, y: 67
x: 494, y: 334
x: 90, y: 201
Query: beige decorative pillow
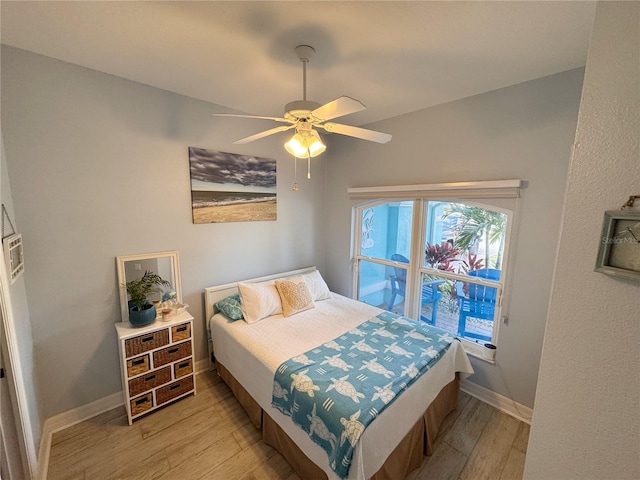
x: 294, y: 295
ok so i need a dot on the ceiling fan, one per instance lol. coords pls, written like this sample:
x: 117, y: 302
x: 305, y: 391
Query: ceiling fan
x: 306, y: 116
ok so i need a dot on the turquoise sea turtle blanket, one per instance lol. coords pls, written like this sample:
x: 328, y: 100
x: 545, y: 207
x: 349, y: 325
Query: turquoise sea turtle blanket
x: 336, y: 389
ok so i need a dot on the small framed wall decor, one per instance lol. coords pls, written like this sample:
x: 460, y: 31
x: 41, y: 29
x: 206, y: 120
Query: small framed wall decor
x: 619, y: 252
x: 13, y: 256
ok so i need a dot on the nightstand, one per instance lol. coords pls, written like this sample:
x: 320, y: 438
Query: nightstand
x: 156, y: 363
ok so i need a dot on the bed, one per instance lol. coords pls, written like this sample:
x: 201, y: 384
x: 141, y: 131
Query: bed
x: 248, y: 355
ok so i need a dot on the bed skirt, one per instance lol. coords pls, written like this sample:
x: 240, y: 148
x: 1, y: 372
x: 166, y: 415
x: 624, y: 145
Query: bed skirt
x: 406, y: 457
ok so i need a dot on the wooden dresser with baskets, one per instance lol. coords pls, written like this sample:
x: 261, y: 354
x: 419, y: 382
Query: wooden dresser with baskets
x: 156, y: 363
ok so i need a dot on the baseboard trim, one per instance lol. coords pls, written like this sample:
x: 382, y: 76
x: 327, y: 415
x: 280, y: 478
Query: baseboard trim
x: 76, y: 415
x: 499, y: 402
x: 203, y: 365
x: 68, y: 419
x: 43, y: 454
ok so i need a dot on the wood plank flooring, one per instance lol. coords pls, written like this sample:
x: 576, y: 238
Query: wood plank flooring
x: 209, y: 437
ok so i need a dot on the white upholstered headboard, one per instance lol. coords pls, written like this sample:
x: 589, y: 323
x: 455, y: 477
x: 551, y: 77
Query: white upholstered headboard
x: 218, y: 292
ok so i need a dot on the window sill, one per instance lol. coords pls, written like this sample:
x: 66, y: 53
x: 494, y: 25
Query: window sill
x: 475, y: 350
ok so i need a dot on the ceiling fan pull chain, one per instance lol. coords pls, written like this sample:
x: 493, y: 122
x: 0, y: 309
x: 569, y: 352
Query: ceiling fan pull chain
x: 308, y: 166
x: 295, y: 173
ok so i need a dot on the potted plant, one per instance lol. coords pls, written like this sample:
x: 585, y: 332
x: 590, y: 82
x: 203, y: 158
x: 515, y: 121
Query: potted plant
x: 141, y: 312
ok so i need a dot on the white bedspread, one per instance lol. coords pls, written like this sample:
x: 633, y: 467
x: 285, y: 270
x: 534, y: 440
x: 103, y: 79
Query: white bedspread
x: 252, y: 353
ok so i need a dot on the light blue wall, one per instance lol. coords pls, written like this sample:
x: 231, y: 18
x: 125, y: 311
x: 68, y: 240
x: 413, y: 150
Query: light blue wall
x: 99, y: 168
x: 524, y: 131
x: 90, y: 155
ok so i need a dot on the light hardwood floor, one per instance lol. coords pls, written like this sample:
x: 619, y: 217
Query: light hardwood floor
x: 208, y: 436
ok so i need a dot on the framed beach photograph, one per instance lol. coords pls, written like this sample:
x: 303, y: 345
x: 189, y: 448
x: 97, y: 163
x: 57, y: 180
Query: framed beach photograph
x: 227, y: 187
x: 619, y: 252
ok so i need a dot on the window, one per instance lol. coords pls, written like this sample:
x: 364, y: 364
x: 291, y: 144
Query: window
x: 441, y: 260
x: 386, y: 230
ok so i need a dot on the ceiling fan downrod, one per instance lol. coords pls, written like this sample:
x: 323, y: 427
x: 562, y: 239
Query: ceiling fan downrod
x: 304, y: 52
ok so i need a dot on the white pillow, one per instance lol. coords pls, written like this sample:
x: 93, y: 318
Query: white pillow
x: 317, y: 286
x: 259, y: 300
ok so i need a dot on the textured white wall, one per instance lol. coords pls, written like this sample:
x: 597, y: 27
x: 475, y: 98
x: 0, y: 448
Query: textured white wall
x: 524, y: 131
x: 586, y: 424
x: 99, y: 168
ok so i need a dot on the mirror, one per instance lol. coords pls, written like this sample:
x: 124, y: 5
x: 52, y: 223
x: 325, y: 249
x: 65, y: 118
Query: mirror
x: 132, y: 267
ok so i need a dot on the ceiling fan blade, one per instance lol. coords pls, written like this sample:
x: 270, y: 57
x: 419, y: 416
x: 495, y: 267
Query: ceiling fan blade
x: 277, y: 119
x: 337, y: 108
x: 266, y: 133
x: 356, y: 132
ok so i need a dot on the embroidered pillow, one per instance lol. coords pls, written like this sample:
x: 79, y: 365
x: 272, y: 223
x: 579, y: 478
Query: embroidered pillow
x: 294, y: 295
x: 259, y: 300
x: 230, y: 307
x: 317, y: 286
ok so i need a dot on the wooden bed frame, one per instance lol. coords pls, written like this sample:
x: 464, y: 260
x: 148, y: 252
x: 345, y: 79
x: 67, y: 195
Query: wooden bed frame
x: 407, y: 456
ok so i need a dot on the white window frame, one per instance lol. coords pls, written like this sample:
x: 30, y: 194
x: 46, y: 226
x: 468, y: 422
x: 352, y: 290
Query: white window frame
x: 468, y: 193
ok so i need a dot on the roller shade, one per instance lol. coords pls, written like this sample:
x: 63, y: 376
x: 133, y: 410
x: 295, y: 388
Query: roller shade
x: 482, y: 189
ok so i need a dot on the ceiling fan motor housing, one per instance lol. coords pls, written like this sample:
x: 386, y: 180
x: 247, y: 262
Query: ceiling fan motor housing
x: 299, y: 109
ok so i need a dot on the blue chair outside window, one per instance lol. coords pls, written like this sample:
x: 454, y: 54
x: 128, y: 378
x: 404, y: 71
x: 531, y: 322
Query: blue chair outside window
x: 478, y: 302
x: 430, y: 292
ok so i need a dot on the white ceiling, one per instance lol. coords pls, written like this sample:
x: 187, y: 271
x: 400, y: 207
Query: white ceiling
x: 394, y: 56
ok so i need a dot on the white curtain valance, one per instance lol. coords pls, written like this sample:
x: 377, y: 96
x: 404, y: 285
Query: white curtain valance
x: 482, y: 189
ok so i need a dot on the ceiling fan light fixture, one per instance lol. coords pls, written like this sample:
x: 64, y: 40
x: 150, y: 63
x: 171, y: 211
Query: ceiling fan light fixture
x: 315, y: 144
x: 297, y: 146
x: 305, y: 145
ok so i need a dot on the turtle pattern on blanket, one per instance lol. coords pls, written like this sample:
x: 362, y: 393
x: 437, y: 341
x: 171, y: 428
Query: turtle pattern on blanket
x: 336, y: 389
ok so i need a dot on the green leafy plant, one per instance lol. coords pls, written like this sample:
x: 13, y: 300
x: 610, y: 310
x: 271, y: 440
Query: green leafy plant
x: 477, y: 224
x: 140, y: 289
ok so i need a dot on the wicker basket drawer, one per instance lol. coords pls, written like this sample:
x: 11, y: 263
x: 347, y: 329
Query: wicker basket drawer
x: 144, y: 343
x: 149, y: 381
x: 137, y: 365
x: 183, y: 368
x: 172, y: 354
x: 180, y: 332
x: 174, y: 390
x: 141, y: 404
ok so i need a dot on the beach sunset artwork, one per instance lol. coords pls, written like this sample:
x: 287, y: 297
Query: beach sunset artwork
x: 227, y: 187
